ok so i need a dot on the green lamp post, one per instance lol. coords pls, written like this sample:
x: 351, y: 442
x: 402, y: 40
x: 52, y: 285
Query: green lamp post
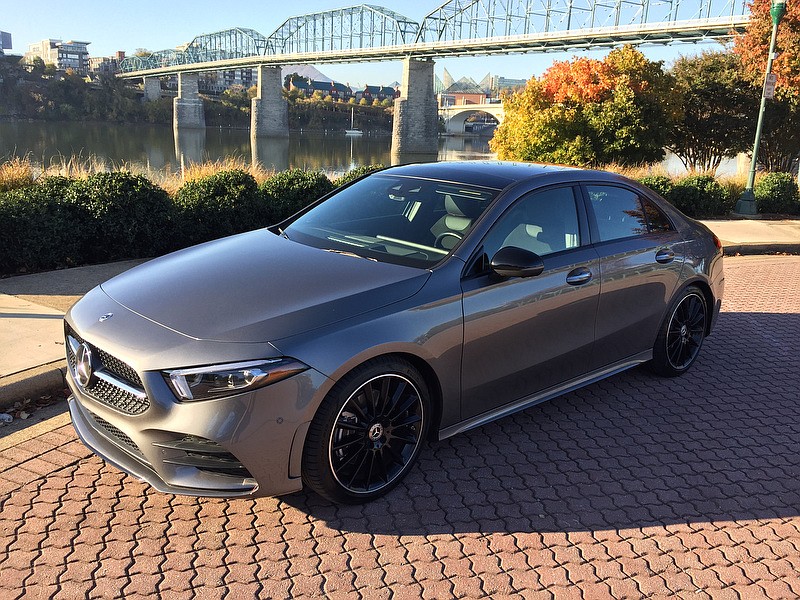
x: 747, y: 201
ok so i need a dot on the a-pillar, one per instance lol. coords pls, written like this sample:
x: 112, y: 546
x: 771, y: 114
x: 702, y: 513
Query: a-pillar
x: 188, y: 105
x: 269, y: 114
x: 416, y: 116
x: 152, y: 89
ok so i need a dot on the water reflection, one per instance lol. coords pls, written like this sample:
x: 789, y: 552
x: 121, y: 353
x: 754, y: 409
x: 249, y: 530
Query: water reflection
x: 271, y: 153
x: 190, y: 146
x: 157, y: 147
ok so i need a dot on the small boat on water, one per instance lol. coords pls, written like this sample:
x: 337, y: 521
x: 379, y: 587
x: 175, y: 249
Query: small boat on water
x: 353, y: 130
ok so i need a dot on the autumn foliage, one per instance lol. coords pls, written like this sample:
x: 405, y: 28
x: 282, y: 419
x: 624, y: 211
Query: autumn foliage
x: 753, y: 46
x: 589, y: 112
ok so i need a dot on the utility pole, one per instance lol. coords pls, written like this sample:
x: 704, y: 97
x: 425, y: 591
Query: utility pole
x: 747, y: 201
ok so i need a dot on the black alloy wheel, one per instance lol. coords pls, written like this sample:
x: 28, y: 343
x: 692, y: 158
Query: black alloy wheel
x: 681, y: 337
x: 370, y: 429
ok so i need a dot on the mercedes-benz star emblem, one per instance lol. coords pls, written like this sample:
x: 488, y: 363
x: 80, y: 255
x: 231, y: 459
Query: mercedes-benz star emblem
x: 105, y: 317
x: 83, y: 365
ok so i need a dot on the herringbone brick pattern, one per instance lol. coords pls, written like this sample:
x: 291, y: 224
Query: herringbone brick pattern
x: 636, y: 486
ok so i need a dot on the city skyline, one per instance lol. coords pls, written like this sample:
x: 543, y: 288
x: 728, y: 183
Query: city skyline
x: 159, y: 25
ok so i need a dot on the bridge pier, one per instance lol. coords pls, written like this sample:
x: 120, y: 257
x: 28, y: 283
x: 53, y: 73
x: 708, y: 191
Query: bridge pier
x: 269, y: 111
x: 152, y: 89
x: 188, y: 107
x: 416, y: 117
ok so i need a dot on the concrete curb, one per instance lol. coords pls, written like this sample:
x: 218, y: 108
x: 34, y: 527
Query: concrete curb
x: 23, y: 435
x: 39, y: 381
x: 745, y: 249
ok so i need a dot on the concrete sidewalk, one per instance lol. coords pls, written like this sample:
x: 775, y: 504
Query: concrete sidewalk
x: 31, y: 306
x: 32, y: 360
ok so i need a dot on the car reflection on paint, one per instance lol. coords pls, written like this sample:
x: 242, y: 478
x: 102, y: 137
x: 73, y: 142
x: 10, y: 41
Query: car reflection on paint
x: 415, y: 303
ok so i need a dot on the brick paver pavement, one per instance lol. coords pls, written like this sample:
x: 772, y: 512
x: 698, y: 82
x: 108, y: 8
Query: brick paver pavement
x: 636, y: 486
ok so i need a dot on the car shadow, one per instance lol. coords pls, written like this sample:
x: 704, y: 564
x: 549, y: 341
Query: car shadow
x: 720, y: 443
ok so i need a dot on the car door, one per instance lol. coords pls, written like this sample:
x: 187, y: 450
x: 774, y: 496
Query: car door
x: 526, y: 334
x: 641, y: 257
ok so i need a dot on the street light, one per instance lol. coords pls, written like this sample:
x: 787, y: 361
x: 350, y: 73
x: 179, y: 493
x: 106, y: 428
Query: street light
x: 747, y: 201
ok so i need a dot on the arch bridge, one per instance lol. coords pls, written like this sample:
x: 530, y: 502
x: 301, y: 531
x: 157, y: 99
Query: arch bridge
x: 455, y: 116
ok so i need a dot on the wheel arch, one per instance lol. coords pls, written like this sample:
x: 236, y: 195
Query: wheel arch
x: 434, y: 388
x: 708, y: 295
x: 422, y: 366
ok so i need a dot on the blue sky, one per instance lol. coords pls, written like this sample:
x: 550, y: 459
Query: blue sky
x: 160, y: 24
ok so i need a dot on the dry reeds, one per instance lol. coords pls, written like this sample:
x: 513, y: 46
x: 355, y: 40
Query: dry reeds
x: 16, y: 173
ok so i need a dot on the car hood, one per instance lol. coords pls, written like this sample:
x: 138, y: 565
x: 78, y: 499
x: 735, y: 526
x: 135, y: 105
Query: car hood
x: 259, y: 287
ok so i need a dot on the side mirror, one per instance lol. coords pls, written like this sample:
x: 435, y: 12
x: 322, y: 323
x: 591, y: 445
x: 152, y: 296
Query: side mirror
x: 517, y: 262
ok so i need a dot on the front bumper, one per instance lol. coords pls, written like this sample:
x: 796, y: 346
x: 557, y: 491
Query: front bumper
x: 263, y: 431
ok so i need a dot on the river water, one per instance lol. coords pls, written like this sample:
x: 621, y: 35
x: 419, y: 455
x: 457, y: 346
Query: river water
x: 155, y: 147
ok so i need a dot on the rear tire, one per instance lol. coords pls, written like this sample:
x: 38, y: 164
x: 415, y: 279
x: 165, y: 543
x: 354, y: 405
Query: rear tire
x: 367, y: 432
x: 681, y: 335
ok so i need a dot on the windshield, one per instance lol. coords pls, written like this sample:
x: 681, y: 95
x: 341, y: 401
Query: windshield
x: 389, y: 218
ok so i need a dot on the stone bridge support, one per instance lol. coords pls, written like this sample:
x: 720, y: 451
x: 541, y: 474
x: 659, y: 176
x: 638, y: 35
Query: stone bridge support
x: 152, y: 89
x: 416, y: 117
x: 188, y: 107
x: 269, y: 114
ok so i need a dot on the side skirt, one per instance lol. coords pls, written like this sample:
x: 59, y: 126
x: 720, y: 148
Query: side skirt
x: 545, y: 395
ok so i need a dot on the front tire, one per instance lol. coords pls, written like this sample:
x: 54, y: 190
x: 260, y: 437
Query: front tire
x: 368, y: 431
x: 681, y: 335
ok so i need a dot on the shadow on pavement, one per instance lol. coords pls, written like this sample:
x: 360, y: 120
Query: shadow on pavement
x: 721, y: 443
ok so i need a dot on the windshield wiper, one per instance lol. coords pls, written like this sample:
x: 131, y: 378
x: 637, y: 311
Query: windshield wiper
x: 353, y: 254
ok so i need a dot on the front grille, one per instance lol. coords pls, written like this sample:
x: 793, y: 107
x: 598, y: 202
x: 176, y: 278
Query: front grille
x: 105, y: 390
x: 117, y: 435
x: 123, y: 400
x: 119, y: 368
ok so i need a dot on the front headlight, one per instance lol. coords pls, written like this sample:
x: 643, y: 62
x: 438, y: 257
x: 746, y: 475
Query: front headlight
x: 216, y: 381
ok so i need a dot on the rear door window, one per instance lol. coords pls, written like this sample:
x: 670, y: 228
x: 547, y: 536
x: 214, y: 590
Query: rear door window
x: 622, y: 213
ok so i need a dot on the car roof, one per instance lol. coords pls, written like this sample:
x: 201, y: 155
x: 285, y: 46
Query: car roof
x: 494, y: 173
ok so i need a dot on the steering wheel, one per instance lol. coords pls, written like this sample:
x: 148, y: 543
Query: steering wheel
x: 442, y: 236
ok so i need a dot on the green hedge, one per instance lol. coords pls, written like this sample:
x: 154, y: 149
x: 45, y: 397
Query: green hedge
x: 222, y: 204
x: 125, y: 215
x: 289, y: 191
x: 59, y: 222
x: 777, y: 193
x: 40, y: 228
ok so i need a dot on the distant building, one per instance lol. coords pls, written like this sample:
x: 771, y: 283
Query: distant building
x: 501, y: 84
x: 5, y: 41
x: 337, y: 91
x: 379, y: 92
x: 244, y: 77
x: 106, y: 65
x: 64, y: 55
x: 464, y: 91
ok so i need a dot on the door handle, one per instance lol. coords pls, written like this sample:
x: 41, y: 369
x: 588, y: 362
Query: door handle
x: 579, y: 276
x: 665, y: 256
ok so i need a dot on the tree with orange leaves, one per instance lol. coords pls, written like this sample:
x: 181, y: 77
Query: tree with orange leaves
x: 753, y: 45
x: 780, y: 138
x: 589, y: 112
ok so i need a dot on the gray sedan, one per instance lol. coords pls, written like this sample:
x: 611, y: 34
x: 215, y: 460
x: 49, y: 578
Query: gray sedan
x: 415, y: 303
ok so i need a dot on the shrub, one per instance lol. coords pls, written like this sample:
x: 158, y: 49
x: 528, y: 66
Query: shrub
x: 128, y: 216
x: 356, y: 173
x: 777, y: 193
x: 289, y: 191
x: 221, y: 204
x: 40, y: 230
x: 660, y: 184
x: 700, y: 196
